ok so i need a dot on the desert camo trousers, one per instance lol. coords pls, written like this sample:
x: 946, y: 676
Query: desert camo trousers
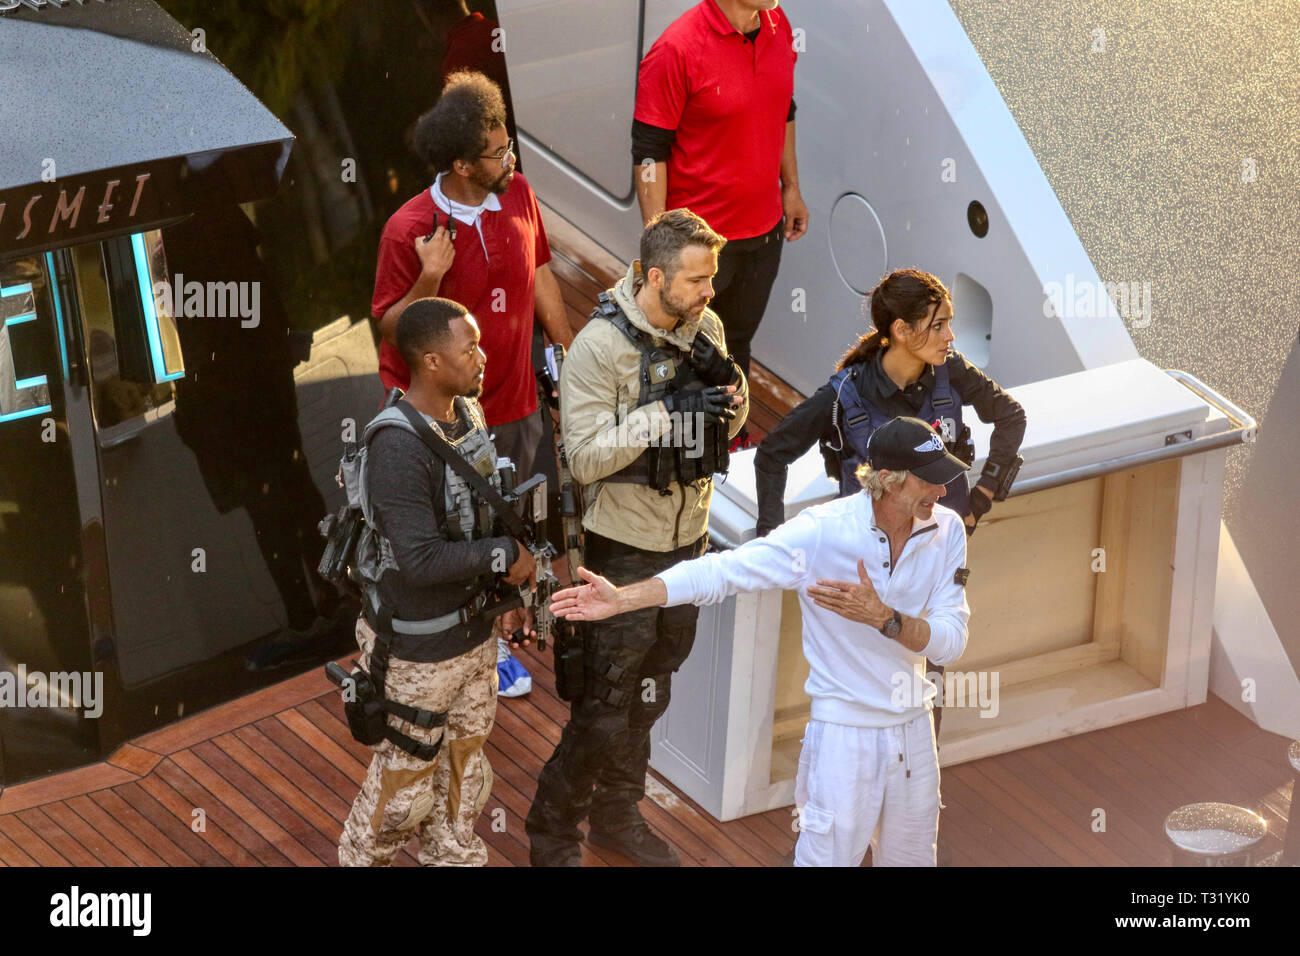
x: 438, y: 800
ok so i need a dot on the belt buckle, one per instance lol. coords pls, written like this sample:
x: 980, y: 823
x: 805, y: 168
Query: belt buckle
x: 480, y: 602
x: 474, y: 606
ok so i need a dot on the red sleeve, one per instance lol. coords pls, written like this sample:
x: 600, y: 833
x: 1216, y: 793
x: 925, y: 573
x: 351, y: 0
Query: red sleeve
x: 662, y: 87
x: 395, y: 272
x: 541, y: 245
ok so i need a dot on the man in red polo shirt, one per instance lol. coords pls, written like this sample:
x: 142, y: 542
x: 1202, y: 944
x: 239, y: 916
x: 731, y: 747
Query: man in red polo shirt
x: 714, y: 132
x: 476, y: 237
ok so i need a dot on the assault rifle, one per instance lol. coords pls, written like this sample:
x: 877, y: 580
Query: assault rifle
x: 529, y: 502
x: 569, y: 674
x: 570, y: 497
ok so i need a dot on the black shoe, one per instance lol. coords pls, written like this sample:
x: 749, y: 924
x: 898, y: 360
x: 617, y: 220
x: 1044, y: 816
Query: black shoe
x: 290, y: 647
x: 568, y: 857
x: 637, y: 843
x: 293, y: 647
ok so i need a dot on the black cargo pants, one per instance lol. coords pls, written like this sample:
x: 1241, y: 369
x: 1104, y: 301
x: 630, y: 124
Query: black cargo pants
x: 746, y: 272
x: 600, y: 763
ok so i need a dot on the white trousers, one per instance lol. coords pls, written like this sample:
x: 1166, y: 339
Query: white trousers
x: 860, y: 786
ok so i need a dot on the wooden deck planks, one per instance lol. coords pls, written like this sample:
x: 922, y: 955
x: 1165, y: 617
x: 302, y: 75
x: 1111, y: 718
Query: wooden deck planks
x: 177, y: 829
x: 30, y: 842
x: 212, y: 835
x: 1057, y: 806
x: 277, y: 789
x: 322, y: 772
x: 33, y: 793
x: 155, y: 840
x: 133, y: 759
x: 11, y: 854
x: 226, y: 819
x: 1025, y: 811
x: 95, y: 843
x: 275, y: 820
x: 127, y: 843
x: 58, y: 838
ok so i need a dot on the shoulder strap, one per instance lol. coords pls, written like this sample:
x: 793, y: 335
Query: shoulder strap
x: 514, y: 524
x: 610, y: 310
x: 942, y: 396
x: 390, y: 417
x: 620, y: 321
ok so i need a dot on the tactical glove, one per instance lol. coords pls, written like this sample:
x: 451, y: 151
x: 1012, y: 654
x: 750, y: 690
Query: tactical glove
x: 979, y: 506
x: 711, y: 365
x: 713, y: 403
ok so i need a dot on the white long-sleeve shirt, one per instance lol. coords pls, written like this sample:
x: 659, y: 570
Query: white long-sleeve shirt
x: 858, y: 676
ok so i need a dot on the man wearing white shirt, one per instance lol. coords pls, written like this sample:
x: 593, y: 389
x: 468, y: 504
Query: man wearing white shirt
x: 881, y: 583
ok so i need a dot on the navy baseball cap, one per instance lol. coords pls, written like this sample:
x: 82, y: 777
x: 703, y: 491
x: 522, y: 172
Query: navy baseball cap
x: 909, y: 444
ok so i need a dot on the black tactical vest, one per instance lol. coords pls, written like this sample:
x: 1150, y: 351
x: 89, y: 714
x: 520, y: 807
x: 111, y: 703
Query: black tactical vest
x: 689, y: 451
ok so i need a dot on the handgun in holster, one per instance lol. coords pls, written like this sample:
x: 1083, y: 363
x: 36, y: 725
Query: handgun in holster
x: 363, y: 707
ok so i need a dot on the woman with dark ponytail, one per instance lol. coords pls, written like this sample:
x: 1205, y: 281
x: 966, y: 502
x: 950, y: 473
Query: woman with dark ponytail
x: 905, y: 366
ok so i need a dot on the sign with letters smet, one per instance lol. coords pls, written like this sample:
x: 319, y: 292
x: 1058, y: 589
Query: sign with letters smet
x: 127, y: 199
x: 50, y: 214
x: 96, y: 205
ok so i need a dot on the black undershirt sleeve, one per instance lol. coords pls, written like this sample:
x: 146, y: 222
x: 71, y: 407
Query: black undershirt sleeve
x: 653, y: 143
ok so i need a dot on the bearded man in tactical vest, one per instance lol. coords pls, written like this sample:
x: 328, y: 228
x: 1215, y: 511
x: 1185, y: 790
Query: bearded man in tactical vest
x: 649, y: 400
x: 431, y: 567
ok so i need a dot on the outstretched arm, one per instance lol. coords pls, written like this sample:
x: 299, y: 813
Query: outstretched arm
x: 778, y: 562
x: 599, y: 599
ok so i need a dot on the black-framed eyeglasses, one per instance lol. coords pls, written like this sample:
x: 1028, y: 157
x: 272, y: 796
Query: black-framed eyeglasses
x: 504, y: 157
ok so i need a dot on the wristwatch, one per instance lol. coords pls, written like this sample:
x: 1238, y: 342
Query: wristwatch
x: 893, y: 627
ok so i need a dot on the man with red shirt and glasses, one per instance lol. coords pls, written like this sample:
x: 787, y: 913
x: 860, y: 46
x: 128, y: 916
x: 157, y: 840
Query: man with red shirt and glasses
x: 714, y: 132
x: 475, y: 236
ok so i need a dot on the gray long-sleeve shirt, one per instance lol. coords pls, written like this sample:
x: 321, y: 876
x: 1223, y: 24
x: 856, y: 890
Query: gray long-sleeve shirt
x: 435, y: 574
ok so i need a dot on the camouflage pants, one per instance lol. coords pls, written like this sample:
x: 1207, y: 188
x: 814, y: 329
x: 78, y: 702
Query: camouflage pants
x: 438, y: 800
x: 600, y: 764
